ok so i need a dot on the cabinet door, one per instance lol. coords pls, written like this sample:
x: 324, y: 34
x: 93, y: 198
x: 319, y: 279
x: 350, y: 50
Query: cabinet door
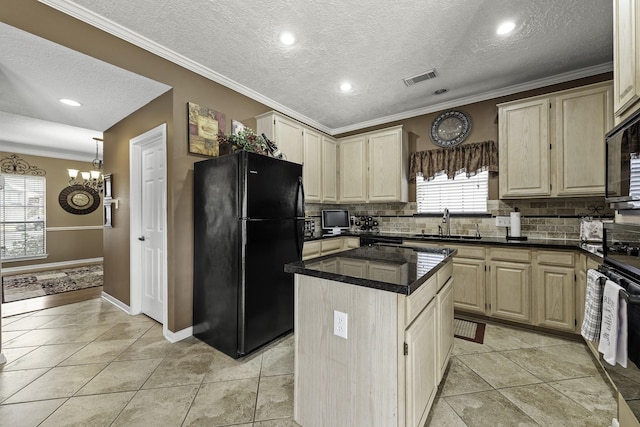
x: 444, y: 301
x: 353, y: 170
x: 288, y: 138
x: 469, y: 284
x: 387, y: 167
x: 310, y: 250
x: 329, y: 170
x: 385, y: 272
x: 524, y: 149
x: 421, y: 370
x: 625, y: 54
x: 350, y: 243
x: 510, y: 291
x: 555, y: 297
x: 353, y: 268
x: 581, y: 296
x: 312, y: 168
x: 583, y: 118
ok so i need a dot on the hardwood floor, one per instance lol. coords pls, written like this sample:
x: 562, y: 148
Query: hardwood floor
x: 48, y: 301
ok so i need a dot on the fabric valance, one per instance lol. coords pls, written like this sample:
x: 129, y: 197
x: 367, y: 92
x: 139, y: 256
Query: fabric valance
x: 470, y: 157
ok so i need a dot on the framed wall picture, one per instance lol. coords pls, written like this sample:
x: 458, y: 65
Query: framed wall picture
x: 236, y: 127
x: 108, y: 194
x: 205, y: 125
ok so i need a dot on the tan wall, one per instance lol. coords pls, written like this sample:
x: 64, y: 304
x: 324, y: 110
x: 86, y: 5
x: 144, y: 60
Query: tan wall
x: 68, y: 245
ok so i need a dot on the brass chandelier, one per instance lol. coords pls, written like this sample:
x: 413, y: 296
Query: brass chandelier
x: 93, y: 179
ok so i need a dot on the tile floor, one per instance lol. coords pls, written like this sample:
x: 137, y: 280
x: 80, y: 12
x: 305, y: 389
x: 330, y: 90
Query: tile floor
x: 89, y: 364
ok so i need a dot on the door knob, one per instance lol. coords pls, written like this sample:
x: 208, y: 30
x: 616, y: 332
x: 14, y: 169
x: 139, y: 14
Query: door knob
x: 141, y: 238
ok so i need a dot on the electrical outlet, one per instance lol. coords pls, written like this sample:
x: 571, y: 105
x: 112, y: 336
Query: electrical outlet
x: 340, y: 324
x: 503, y: 221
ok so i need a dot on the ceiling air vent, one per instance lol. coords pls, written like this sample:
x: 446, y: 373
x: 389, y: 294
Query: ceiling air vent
x: 410, y: 81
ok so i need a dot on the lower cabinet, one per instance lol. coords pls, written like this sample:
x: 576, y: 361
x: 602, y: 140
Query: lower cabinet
x: 444, y: 302
x: 322, y: 247
x: 469, y: 273
x: 510, y: 291
x: 556, y: 297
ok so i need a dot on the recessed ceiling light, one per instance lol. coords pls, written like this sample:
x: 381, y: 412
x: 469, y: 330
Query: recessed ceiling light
x: 287, y: 38
x: 70, y: 102
x: 345, y: 87
x: 505, y: 28
x: 440, y: 91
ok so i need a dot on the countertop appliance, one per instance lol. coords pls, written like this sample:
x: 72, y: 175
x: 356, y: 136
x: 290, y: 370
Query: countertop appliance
x: 622, y: 184
x: 248, y: 222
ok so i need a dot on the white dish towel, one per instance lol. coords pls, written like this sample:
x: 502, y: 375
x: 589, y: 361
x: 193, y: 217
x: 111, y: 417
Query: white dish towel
x: 613, y: 332
x: 592, y: 320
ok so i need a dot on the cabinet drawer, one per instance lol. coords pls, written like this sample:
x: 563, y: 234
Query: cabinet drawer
x: 417, y: 301
x: 470, y: 252
x: 351, y: 242
x: 444, y: 274
x: 311, y: 250
x: 508, y: 254
x: 331, y: 246
x: 556, y: 258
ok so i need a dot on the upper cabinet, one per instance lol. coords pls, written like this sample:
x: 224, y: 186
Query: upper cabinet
x: 373, y: 167
x: 626, y: 56
x: 329, y: 170
x: 553, y: 145
x: 285, y: 132
x: 312, y: 166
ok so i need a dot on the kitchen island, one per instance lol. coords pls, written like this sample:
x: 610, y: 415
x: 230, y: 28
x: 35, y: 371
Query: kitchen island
x: 393, y: 306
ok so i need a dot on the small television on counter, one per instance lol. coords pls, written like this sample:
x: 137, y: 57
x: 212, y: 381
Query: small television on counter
x: 335, y: 221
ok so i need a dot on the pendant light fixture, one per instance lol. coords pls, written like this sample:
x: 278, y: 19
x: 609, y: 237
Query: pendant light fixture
x: 93, y: 179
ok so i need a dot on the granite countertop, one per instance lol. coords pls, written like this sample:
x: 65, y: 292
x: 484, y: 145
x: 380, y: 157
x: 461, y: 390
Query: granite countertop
x: 413, y: 266
x: 592, y: 248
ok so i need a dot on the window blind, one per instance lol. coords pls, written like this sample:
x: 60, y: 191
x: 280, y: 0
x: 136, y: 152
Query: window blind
x: 427, y: 261
x: 461, y: 194
x: 22, y: 216
x: 634, y: 183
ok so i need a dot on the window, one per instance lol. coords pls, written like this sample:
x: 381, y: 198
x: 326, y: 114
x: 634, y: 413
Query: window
x: 22, y: 216
x: 460, y: 195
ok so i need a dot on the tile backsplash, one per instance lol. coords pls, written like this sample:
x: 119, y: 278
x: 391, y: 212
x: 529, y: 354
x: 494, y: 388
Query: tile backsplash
x: 540, y: 218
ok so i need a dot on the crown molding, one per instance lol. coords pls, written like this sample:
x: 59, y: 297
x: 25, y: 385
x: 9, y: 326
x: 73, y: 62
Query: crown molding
x: 70, y: 8
x: 454, y: 103
x: 83, y: 14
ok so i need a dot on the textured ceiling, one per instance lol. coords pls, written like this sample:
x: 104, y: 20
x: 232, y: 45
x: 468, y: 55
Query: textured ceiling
x: 371, y: 43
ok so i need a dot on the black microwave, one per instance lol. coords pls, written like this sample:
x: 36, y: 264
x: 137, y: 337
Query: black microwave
x: 623, y: 164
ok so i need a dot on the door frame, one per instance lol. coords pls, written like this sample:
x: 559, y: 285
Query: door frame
x: 136, y: 146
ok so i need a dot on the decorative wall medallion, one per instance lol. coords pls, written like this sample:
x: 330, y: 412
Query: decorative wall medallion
x: 17, y: 166
x: 79, y: 200
x: 450, y: 128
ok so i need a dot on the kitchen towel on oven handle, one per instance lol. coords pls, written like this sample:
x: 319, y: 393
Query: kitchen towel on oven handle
x: 613, y: 332
x: 592, y: 319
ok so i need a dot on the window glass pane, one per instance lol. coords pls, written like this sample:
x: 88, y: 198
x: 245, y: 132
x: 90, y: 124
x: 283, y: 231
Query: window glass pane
x: 23, y: 216
x: 461, y: 194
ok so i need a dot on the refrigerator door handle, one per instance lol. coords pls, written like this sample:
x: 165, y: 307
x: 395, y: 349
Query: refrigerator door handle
x: 299, y: 216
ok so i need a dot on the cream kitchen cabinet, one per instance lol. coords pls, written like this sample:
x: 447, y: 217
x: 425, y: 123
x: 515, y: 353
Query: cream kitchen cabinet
x: 553, y: 145
x: 510, y: 284
x: 285, y: 132
x: 312, y: 166
x: 329, y: 166
x: 469, y: 274
x: 373, y: 167
x: 555, y: 279
x: 626, y: 56
x: 352, y: 155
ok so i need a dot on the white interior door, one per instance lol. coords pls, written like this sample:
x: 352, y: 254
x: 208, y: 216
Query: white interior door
x: 148, y: 224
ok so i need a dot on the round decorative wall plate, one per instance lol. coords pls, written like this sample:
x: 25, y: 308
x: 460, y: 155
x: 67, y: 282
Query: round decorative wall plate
x: 79, y: 200
x: 450, y: 128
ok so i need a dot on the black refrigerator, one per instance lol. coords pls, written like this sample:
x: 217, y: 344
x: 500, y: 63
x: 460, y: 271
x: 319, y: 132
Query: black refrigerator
x: 248, y: 222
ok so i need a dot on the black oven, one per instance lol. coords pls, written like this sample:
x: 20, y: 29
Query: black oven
x: 621, y: 248
x: 622, y: 184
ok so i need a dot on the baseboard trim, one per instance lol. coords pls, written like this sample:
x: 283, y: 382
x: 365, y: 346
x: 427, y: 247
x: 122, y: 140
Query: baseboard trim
x: 50, y: 266
x: 122, y: 306
x: 178, y: 336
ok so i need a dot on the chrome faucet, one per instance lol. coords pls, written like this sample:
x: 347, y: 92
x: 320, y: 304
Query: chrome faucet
x: 447, y: 220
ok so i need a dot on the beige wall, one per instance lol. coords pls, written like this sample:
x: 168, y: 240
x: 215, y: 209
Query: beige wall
x: 67, y: 245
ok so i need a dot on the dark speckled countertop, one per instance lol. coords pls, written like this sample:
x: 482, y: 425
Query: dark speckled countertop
x: 413, y: 265
x: 592, y: 249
